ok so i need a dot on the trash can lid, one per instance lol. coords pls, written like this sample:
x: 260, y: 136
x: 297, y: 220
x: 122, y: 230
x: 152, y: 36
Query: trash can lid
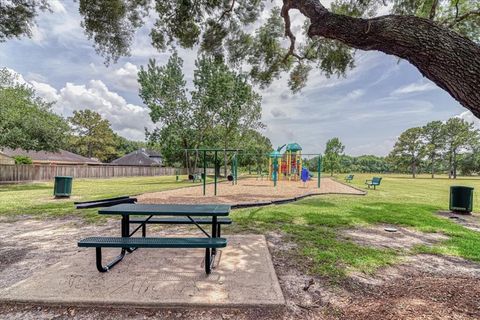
x: 64, y: 177
x: 464, y: 187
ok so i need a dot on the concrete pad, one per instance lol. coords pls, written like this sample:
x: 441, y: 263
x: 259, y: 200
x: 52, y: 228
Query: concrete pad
x: 243, y: 277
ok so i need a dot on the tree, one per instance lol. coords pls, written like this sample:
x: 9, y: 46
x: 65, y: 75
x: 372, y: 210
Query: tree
x: 222, y: 107
x: 409, y: 149
x: 255, y: 148
x: 26, y: 121
x: 227, y: 99
x: 460, y: 135
x: 440, y: 38
x: 434, y: 139
x: 92, y: 136
x: 333, y: 152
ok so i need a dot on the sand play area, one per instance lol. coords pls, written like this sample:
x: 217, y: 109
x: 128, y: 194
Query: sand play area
x: 249, y: 191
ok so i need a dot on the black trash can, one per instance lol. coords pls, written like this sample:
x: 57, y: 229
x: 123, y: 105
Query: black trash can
x: 461, y: 199
x: 62, y: 187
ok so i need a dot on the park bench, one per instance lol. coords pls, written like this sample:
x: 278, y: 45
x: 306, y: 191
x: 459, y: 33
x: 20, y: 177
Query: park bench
x: 374, y: 182
x: 349, y: 178
x: 214, y: 215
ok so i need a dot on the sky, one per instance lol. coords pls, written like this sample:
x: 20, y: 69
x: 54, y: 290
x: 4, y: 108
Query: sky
x: 367, y: 109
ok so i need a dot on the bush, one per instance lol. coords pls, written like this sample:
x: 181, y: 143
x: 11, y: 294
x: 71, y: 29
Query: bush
x: 22, y: 160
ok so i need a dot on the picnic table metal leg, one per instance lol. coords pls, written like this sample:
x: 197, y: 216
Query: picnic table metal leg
x: 214, y: 231
x: 126, y: 230
x: 110, y: 265
x: 208, y: 263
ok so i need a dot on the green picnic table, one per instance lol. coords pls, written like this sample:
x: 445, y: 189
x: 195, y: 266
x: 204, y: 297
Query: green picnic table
x: 197, y: 214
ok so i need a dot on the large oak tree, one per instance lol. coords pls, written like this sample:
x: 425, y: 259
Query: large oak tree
x: 439, y: 37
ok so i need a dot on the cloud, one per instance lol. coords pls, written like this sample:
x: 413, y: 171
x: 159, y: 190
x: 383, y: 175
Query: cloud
x: 127, y: 119
x: 415, y: 88
x: 125, y: 77
x: 469, y: 117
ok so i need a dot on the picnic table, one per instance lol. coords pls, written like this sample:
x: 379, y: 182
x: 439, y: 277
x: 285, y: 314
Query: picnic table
x: 198, y: 214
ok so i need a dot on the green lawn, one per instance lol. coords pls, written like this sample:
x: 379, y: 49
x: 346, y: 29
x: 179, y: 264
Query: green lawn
x: 37, y: 198
x: 314, y: 222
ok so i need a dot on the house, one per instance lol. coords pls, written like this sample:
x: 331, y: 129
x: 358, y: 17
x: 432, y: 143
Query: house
x: 62, y: 157
x: 141, y: 157
x: 4, y: 159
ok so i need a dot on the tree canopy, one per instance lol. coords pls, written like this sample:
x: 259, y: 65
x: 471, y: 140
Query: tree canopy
x: 440, y: 38
x: 27, y: 121
x: 221, y: 108
x: 92, y: 135
x: 333, y: 152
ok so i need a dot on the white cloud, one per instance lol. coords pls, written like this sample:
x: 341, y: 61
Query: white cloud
x: 414, y: 88
x: 128, y: 120
x: 45, y: 91
x: 124, y: 78
x: 469, y: 117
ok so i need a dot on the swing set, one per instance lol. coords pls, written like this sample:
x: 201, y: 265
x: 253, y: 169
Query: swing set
x: 232, y: 177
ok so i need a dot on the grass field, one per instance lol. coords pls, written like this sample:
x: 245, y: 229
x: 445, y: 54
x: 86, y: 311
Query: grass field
x: 37, y: 198
x: 313, y: 223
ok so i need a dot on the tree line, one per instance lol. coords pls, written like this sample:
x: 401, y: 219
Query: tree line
x: 450, y: 147
x: 222, y: 112
x: 447, y: 147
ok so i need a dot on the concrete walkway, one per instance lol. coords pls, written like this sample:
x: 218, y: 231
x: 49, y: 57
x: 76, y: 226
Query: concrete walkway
x: 244, y: 277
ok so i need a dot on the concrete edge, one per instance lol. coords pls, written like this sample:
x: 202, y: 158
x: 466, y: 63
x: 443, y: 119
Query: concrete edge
x: 139, y: 305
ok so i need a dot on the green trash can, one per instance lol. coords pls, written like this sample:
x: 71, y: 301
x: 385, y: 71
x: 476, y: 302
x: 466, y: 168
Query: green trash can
x: 62, y: 187
x: 461, y: 199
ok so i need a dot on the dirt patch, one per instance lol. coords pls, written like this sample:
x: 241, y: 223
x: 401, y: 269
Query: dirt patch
x: 421, y: 287
x: 403, y: 238
x: 248, y: 191
x: 469, y: 221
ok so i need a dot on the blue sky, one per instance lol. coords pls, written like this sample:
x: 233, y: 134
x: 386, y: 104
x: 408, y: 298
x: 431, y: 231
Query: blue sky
x: 367, y: 109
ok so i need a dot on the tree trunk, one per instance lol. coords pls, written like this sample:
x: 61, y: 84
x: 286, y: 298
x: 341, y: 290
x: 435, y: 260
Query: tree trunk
x: 414, y: 168
x: 433, y: 168
x: 454, y: 165
x: 443, y: 56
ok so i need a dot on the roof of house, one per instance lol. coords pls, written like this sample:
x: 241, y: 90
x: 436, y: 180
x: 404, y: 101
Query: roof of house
x: 60, y: 157
x: 141, y: 157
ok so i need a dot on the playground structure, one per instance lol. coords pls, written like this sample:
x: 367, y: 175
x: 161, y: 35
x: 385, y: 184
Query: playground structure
x: 289, y: 165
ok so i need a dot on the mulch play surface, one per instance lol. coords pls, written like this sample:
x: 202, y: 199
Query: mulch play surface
x: 249, y: 191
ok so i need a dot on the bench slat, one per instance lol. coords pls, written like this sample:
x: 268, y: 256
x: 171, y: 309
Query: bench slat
x: 181, y: 220
x: 119, y: 242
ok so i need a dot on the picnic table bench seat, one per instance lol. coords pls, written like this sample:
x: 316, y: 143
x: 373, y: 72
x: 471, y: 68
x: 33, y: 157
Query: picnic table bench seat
x: 128, y: 242
x: 349, y: 178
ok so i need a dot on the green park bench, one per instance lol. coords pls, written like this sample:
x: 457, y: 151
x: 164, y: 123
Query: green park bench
x: 349, y: 178
x: 374, y: 182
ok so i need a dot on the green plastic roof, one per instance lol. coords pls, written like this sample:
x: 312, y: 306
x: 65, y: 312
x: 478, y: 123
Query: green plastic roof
x: 294, y: 147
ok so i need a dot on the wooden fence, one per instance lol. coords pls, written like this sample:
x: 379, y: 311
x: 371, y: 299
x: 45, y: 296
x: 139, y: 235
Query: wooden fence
x: 25, y: 173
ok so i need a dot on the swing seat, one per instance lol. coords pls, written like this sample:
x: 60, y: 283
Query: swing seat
x: 230, y: 178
